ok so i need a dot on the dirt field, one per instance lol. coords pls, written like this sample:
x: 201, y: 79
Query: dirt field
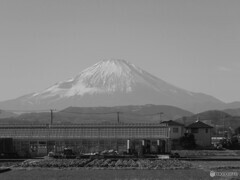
x: 208, y: 165
x: 76, y: 174
x: 200, y: 170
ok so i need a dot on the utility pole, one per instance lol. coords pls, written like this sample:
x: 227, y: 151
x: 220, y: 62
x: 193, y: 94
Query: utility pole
x: 118, y: 118
x: 224, y: 125
x: 184, y: 118
x: 51, y: 111
x: 160, y: 115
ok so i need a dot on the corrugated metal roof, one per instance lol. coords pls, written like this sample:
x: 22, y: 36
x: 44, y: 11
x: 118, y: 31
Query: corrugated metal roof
x: 87, y: 132
x: 85, y: 125
x: 172, y: 123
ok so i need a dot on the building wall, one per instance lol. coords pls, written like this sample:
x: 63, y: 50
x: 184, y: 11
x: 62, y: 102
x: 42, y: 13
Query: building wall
x: 176, y: 134
x: 41, y: 147
x: 37, y: 140
x: 202, y: 137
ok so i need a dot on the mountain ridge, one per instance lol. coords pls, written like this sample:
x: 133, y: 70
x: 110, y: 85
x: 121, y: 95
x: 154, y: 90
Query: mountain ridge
x: 114, y: 83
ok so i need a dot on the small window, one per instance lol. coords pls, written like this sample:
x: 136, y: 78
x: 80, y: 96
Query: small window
x: 206, y: 130
x: 175, y: 130
x: 195, y: 130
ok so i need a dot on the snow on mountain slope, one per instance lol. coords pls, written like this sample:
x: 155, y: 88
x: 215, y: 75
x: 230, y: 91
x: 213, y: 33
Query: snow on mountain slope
x: 108, y: 76
x: 112, y: 83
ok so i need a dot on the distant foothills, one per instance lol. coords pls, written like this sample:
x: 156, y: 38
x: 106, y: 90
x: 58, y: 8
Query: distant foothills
x: 149, y: 113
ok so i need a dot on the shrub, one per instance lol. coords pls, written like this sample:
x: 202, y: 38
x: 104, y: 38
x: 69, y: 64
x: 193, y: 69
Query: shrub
x: 188, y: 141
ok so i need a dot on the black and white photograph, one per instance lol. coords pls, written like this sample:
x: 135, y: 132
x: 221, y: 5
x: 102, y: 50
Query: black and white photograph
x: 119, y: 89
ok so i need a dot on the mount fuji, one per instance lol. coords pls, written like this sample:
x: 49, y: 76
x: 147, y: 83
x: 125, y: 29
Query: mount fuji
x: 113, y: 83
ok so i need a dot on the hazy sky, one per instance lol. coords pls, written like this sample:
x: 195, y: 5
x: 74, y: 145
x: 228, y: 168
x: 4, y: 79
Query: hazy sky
x: 192, y: 44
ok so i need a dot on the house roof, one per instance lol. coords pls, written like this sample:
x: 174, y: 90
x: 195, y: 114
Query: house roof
x: 199, y: 124
x: 172, y: 123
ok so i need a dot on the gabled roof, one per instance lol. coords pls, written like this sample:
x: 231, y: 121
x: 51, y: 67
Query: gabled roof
x: 172, y: 123
x: 199, y: 124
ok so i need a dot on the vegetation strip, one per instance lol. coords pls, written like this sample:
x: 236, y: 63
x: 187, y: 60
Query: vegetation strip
x: 107, y: 163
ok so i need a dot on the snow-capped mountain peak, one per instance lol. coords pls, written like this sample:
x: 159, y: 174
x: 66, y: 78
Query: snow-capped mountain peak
x: 106, y: 76
x: 109, y: 75
x: 111, y: 83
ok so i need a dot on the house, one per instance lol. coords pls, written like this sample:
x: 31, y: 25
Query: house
x: 176, y: 129
x: 202, y: 133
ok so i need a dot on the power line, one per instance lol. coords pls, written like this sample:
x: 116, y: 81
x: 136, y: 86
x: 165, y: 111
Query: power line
x: 102, y: 113
x: 85, y: 113
x: 26, y: 111
x: 155, y: 114
x: 75, y: 112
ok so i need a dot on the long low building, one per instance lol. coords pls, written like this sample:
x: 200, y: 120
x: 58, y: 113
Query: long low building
x: 39, y: 140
